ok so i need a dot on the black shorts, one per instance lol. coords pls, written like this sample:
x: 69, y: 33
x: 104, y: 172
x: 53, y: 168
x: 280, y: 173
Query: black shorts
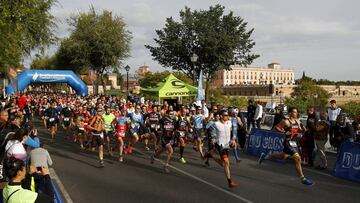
x: 97, y: 141
x: 288, y: 148
x: 109, y: 134
x: 66, y: 123
x: 223, y: 152
x: 50, y: 124
x: 199, y: 133
x: 166, y: 140
x: 211, y: 145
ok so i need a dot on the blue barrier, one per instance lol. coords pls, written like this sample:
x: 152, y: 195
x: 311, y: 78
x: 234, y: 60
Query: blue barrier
x: 348, y: 162
x: 49, y: 76
x: 57, y: 198
x: 264, y: 141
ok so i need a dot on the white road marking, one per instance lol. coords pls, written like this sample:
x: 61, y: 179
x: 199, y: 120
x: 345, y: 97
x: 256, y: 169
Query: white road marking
x: 62, y: 189
x: 203, y: 181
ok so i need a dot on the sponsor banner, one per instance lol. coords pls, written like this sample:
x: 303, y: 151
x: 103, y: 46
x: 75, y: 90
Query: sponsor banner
x: 348, y: 162
x: 264, y: 141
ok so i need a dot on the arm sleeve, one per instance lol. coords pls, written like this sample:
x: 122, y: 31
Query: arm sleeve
x: 48, y: 195
x: 34, y: 143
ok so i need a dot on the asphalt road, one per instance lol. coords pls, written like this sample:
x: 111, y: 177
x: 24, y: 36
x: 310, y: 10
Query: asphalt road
x: 136, y: 180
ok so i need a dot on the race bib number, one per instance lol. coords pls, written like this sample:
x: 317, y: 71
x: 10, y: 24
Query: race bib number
x: 122, y: 134
x: 169, y: 126
x: 66, y: 119
x: 52, y: 119
x: 293, y: 143
x: 153, y: 126
x: 182, y: 133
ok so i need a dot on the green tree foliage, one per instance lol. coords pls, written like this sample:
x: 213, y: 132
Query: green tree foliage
x: 239, y: 102
x: 97, y: 41
x: 218, y: 39
x: 43, y: 63
x: 306, y: 94
x: 352, y: 108
x: 24, y: 26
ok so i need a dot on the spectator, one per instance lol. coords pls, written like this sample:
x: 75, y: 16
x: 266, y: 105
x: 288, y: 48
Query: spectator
x: 40, y: 157
x: 14, y: 192
x: 356, y: 126
x: 250, y: 114
x: 309, y: 142
x: 321, y: 137
x: 342, y: 132
x: 333, y: 112
x: 279, y: 116
x: 258, y: 114
x: 14, y: 147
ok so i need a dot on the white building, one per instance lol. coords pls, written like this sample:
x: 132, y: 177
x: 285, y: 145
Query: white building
x: 273, y: 74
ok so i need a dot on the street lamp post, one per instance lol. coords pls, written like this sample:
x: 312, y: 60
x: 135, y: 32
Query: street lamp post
x: 127, y: 68
x: 194, y: 59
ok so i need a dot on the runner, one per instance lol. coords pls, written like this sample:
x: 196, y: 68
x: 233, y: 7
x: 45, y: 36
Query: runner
x: 153, y: 123
x: 199, y: 120
x: 80, y: 129
x: 51, y: 116
x: 97, y: 126
x: 223, y: 143
x: 67, y: 118
x: 290, y: 128
x: 121, y: 123
x: 137, y: 121
x: 108, y: 118
x: 211, y: 133
x: 182, y: 125
x: 168, y: 140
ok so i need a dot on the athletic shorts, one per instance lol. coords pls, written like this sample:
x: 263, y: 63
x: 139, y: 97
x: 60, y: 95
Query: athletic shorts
x: 166, y: 140
x: 290, y: 146
x: 198, y: 133
x: 108, y: 134
x: 223, y: 152
x: 50, y: 124
x: 80, y: 130
x: 120, y: 135
x: 97, y: 140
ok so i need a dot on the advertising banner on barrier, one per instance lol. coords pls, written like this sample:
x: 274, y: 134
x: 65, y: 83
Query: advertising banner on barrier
x: 348, y: 162
x: 264, y: 141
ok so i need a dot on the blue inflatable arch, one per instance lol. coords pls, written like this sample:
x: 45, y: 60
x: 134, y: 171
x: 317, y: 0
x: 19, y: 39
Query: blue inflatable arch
x: 49, y: 76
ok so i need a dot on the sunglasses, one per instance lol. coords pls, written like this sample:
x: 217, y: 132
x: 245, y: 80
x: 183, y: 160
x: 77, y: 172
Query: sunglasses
x: 226, y: 115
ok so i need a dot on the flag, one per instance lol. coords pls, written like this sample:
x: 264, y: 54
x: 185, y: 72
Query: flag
x: 200, y: 91
x: 12, y: 73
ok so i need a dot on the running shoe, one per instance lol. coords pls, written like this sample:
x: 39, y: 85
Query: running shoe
x: 306, y: 181
x: 182, y: 160
x: 232, y: 184
x: 262, y: 158
x: 166, y: 168
x: 121, y: 159
x: 147, y: 148
x: 152, y: 159
x: 102, y: 163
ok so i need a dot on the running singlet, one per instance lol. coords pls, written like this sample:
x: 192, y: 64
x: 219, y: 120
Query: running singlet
x: 182, y: 123
x: 136, y: 120
x: 66, y: 112
x: 198, y: 121
x: 108, y: 119
x: 293, y: 129
x: 121, y: 126
x: 168, y: 126
x: 154, y: 119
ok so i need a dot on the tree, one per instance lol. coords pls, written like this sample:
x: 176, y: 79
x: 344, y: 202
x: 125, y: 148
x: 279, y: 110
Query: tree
x: 352, y: 108
x: 43, y: 62
x: 24, y: 26
x: 307, y: 94
x: 97, y: 41
x: 218, y: 39
x: 239, y: 102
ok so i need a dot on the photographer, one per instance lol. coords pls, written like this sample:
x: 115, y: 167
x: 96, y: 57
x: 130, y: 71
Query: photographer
x: 13, y: 191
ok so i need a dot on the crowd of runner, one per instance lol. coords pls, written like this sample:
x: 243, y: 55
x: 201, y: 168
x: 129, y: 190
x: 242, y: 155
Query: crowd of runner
x: 115, y: 125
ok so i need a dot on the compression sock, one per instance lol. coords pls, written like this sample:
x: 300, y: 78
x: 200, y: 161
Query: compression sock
x: 181, y: 151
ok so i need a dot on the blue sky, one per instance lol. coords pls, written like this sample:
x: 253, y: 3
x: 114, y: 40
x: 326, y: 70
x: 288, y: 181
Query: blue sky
x: 319, y: 37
